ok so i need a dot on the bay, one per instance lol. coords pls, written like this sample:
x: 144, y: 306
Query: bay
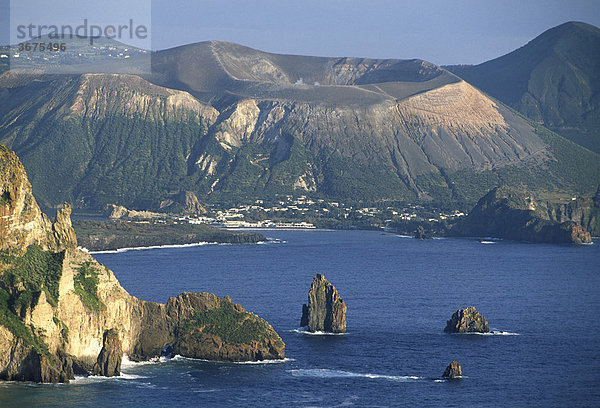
x: 399, y: 292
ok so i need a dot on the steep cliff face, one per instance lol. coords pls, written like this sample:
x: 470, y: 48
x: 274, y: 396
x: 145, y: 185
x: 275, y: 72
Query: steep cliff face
x: 513, y: 214
x: 61, y: 311
x: 21, y: 222
x: 584, y: 211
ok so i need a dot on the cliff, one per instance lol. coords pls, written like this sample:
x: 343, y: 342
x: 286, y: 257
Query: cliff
x: 21, y: 222
x: 509, y: 213
x: 585, y: 211
x: 61, y: 312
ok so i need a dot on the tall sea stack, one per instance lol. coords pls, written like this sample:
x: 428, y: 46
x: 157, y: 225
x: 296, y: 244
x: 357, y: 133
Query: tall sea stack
x: 326, y: 310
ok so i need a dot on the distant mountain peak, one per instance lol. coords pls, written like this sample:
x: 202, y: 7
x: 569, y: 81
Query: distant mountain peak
x: 554, y: 80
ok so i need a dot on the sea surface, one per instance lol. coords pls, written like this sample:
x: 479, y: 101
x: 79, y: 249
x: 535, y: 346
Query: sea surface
x: 545, y: 299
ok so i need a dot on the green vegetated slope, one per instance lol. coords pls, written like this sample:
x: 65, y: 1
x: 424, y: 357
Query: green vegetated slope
x: 23, y: 278
x: 228, y: 123
x: 93, y: 140
x: 554, y: 80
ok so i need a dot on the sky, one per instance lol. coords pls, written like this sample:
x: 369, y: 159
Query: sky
x: 439, y: 31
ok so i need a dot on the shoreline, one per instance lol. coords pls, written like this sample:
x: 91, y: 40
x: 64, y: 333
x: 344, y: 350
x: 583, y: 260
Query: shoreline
x: 165, y: 246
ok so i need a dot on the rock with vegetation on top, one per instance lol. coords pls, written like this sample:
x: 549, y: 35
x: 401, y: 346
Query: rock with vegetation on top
x: 216, y: 329
x: 58, y: 305
x: 507, y: 212
x: 326, y: 310
x: 467, y: 320
x: 108, y: 363
x: 453, y: 370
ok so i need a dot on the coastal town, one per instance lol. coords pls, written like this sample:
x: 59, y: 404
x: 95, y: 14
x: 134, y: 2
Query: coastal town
x: 308, y: 213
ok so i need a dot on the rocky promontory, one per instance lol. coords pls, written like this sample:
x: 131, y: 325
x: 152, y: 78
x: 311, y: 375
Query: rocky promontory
x: 326, y: 310
x: 509, y: 213
x: 467, y: 320
x: 96, y: 235
x: 62, y: 312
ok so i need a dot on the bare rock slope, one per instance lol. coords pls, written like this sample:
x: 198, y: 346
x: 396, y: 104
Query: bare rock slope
x: 222, y: 121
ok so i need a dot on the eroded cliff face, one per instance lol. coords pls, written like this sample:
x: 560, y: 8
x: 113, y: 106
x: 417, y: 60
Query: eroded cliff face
x: 57, y: 304
x: 21, y: 222
x: 584, y: 211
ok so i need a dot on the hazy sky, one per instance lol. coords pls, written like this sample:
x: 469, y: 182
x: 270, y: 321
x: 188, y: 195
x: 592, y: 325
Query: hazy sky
x: 440, y: 31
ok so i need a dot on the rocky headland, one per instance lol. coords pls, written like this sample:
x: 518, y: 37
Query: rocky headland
x: 509, y: 213
x: 326, y: 310
x: 62, y: 312
x: 467, y: 320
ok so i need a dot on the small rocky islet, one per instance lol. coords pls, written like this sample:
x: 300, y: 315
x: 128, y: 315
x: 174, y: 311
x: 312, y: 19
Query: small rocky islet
x: 453, y: 370
x: 467, y: 320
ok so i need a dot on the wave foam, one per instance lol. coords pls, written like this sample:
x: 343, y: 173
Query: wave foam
x: 327, y: 373
x: 119, y: 250
x: 127, y: 363
x: 491, y: 333
x: 279, y: 361
x: 87, y: 379
x: 272, y: 241
x: 318, y: 333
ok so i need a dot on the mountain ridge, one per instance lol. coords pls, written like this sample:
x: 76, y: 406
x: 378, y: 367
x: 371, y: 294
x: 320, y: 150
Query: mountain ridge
x: 554, y: 79
x: 227, y: 122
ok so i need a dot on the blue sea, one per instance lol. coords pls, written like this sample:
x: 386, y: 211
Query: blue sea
x: 544, y: 299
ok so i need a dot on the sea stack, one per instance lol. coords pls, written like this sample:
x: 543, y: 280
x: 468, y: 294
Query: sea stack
x: 326, y: 310
x: 467, y: 320
x: 453, y: 370
x: 108, y: 363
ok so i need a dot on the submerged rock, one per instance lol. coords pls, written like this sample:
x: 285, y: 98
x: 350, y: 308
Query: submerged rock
x: 467, y: 320
x: 326, y: 310
x: 453, y: 370
x: 109, y: 359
